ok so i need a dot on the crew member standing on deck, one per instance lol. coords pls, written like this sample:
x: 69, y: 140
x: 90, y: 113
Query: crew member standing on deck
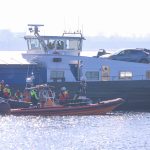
x: 34, y: 97
x: 43, y: 95
x: 63, y: 96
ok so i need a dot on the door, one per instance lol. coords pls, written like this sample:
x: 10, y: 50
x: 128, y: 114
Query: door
x: 105, y: 75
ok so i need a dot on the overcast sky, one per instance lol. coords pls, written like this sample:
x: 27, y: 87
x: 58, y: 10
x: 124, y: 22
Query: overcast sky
x: 96, y: 17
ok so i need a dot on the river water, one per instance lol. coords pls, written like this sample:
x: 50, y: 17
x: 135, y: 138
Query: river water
x: 114, y: 131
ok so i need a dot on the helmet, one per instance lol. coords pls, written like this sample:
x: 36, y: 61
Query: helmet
x: 63, y: 89
x: 6, y: 85
x: 2, y: 81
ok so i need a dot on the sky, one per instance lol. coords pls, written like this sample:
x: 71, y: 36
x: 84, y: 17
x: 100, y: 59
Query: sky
x: 126, y: 18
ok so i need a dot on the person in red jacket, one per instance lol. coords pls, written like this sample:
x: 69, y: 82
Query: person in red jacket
x: 64, y: 95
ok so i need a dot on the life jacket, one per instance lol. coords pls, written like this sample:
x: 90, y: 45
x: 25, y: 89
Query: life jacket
x: 49, y: 102
x: 33, y: 94
x: 6, y: 92
x: 64, y: 95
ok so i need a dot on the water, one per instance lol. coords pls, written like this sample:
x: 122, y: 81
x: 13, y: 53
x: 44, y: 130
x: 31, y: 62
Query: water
x: 116, y: 131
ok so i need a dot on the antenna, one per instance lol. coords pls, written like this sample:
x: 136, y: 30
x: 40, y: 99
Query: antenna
x: 35, y: 28
x: 78, y: 23
x: 82, y: 29
x: 65, y: 24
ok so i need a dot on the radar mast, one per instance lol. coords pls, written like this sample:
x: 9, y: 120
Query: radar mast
x: 35, y: 29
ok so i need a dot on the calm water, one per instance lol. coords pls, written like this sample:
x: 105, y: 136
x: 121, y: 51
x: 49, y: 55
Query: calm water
x: 116, y: 131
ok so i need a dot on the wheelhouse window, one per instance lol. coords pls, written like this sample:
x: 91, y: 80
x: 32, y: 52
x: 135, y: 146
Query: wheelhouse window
x: 63, y: 44
x: 50, y: 44
x: 125, y: 75
x: 92, y: 75
x: 73, y: 44
x: 33, y: 44
x: 54, y: 43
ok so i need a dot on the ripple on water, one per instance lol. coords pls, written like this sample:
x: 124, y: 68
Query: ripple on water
x: 119, y: 130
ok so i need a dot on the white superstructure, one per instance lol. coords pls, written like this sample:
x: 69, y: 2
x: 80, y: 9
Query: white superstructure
x: 60, y: 55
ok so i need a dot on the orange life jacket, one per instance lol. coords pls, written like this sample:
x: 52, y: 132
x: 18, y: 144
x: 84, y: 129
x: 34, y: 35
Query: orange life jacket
x: 64, y: 95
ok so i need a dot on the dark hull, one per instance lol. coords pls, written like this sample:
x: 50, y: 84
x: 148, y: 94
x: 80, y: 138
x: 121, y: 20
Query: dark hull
x: 91, y: 109
x: 136, y: 93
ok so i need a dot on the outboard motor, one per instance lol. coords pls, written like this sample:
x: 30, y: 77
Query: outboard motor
x: 4, y: 108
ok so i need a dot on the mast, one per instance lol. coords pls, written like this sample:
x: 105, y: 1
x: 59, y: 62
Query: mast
x: 35, y: 28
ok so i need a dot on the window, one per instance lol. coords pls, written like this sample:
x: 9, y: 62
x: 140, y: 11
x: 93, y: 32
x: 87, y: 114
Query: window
x: 73, y: 44
x: 59, y: 45
x: 125, y: 75
x: 57, y: 59
x: 92, y: 75
x: 57, y: 75
x: 148, y: 74
x: 51, y: 44
x: 34, y: 44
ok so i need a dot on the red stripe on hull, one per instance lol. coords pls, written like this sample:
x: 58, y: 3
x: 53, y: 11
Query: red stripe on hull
x: 93, y: 109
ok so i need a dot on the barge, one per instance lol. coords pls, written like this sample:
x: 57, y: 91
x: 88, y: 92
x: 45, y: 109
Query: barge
x: 57, y: 61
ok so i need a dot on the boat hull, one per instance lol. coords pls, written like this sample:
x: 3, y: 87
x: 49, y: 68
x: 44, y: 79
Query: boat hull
x: 136, y: 93
x: 90, y: 109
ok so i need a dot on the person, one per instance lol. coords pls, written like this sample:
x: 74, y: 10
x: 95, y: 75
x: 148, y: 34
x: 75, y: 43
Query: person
x: 62, y: 45
x: 26, y: 95
x: 7, y: 92
x: 50, y: 45
x: 58, y: 45
x: 2, y: 86
x: 63, y: 96
x: 83, y: 86
x: 18, y: 95
x: 34, y: 97
x: 43, y: 95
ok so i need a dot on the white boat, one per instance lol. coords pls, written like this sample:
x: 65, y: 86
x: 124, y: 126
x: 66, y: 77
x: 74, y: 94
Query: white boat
x: 59, y: 63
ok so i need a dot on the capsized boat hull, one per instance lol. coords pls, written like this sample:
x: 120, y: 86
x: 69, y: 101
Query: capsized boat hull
x: 90, y: 109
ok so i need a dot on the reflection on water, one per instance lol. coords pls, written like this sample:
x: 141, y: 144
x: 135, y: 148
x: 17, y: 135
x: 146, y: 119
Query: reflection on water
x: 119, y: 130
